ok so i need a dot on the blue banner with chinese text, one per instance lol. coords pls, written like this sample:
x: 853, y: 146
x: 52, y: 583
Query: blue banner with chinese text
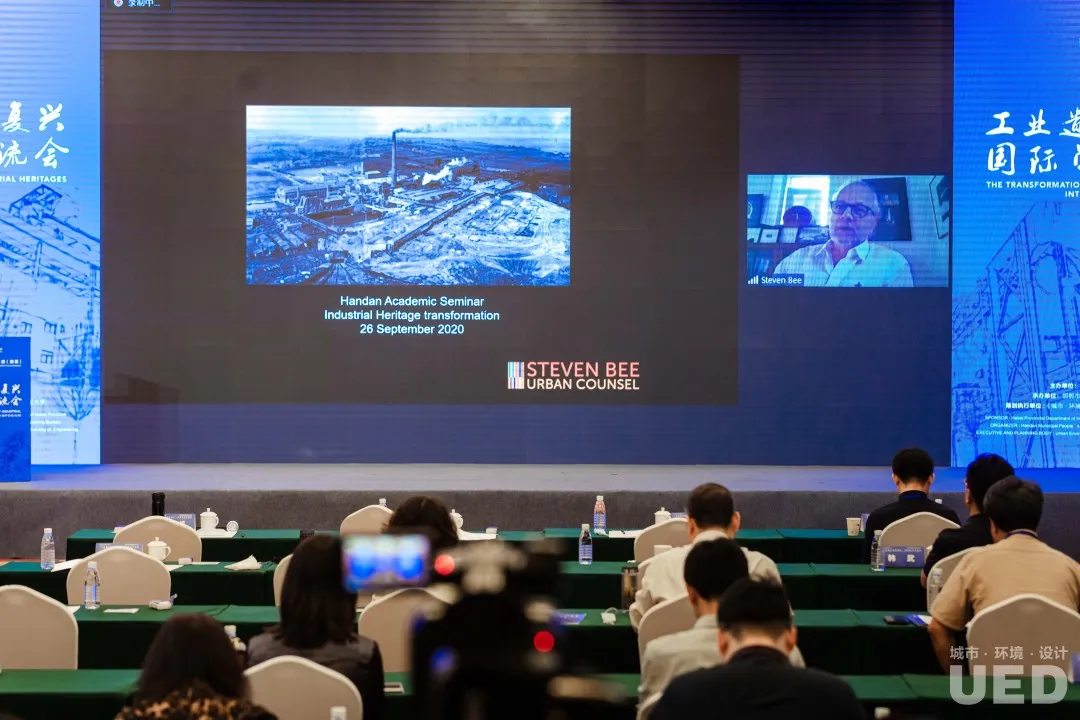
x: 14, y: 409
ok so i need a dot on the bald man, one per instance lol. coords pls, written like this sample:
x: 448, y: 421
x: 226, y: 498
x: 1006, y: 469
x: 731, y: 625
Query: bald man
x: 849, y: 259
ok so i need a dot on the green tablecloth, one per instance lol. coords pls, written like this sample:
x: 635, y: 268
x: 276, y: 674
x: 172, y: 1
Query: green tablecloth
x: 192, y: 584
x: 820, y: 546
x: 270, y: 545
x: 55, y: 694
x: 110, y: 640
x: 860, y: 588
x: 791, y: 546
x: 933, y: 694
x: 894, y: 649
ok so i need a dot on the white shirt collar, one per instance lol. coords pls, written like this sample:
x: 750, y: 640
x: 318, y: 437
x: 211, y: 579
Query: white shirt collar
x: 707, y: 535
x: 706, y: 621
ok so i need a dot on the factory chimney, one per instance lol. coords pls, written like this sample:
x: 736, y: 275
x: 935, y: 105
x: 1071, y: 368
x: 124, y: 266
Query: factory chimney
x: 393, y: 160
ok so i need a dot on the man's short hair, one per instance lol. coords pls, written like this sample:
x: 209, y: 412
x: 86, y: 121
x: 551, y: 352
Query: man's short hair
x: 1014, y: 504
x: 754, y: 606
x: 913, y: 465
x: 712, y: 567
x: 983, y: 472
x: 711, y: 505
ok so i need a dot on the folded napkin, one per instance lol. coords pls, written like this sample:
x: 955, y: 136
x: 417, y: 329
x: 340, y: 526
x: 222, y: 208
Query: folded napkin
x: 215, y: 533
x: 624, y: 533
x: 248, y: 563
x: 465, y: 535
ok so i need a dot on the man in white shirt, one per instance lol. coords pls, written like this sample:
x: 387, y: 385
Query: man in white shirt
x: 710, y: 569
x: 848, y: 258
x: 711, y: 515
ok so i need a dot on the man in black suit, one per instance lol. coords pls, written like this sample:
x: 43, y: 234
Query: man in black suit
x: 913, y: 474
x: 983, y: 472
x: 757, y: 681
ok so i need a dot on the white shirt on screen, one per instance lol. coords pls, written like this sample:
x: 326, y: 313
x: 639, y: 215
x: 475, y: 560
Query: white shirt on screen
x: 669, y: 656
x: 660, y: 577
x: 865, y: 265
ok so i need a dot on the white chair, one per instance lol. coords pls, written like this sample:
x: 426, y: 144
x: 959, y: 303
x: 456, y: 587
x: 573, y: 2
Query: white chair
x: 672, y: 532
x: 36, y: 632
x: 389, y: 620
x: 128, y: 577
x: 184, y: 541
x: 1030, y: 622
x: 918, y: 530
x: 670, y: 616
x: 279, y: 578
x: 295, y: 688
x: 646, y: 707
x: 947, y: 565
x: 370, y: 519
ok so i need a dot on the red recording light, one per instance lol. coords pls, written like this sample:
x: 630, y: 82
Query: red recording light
x: 544, y: 641
x: 444, y: 564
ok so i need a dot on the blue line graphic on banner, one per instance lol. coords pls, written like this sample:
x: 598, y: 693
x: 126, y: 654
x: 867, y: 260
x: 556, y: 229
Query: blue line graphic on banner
x: 1016, y: 232
x: 50, y: 217
x: 14, y: 409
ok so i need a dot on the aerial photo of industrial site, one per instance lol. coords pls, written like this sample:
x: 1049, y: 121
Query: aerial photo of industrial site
x: 408, y: 196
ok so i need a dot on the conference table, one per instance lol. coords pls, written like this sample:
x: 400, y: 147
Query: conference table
x: 809, y: 586
x: 839, y: 641
x: 782, y: 545
x: 100, y: 694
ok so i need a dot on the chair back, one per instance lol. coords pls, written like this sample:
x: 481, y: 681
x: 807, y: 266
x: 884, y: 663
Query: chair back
x: 672, y: 532
x: 36, y: 632
x: 389, y: 621
x: 947, y: 565
x: 279, y: 577
x: 1027, y: 621
x: 645, y: 709
x: 128, y: 577
x: 184, y: 541
x: 370, y: 519
x: 670, y: 616
x: 295, y: 688
x: 918, y: 530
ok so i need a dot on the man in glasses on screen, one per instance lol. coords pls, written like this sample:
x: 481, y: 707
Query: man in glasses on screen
x: 849, y: 258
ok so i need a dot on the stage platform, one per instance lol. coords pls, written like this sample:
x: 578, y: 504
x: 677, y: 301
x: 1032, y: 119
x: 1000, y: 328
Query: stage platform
x: 519, y: 497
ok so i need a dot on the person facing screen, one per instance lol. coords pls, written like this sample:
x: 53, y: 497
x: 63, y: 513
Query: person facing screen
x: 427, y: 514
x: 318, y: 620
x: 849, y: 258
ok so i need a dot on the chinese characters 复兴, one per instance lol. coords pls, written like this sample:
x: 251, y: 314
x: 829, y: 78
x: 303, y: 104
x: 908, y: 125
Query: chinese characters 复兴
x: 11, y: 153
x: 1001, y: 158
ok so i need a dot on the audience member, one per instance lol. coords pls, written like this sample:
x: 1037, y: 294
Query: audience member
x: 192, y: 671
x: 983, y: 472
x: 756, y: 681
x: 710, y: 569
x: 1017, y: 563
x: 429, y: 514
x: 711, y: 515
x: 913, y: 474
x: 318, y: 618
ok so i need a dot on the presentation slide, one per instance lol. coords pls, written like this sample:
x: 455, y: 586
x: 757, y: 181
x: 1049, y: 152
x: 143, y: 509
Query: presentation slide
x: 1016, y: 262
x: 400, y: 229
x: 50, y: 223
x: 847, y: 231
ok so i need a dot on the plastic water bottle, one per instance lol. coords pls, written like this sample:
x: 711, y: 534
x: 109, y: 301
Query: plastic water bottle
x: 876, y: 563
x: 48, y: 550
x: 599, y: 516
x: 338, y: 713
x: 92, y: 587
x: 933, y: 586
x: 584, y: 546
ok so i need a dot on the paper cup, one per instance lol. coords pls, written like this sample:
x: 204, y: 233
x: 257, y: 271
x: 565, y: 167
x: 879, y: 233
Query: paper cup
x: 854, y: 526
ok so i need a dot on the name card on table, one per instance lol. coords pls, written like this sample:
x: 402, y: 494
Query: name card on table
x: 185, y: 518
x: 903, y: 557
x: 98, y: 547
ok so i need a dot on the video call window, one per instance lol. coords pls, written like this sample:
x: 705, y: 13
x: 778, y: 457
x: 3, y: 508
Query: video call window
x: 848, y: 230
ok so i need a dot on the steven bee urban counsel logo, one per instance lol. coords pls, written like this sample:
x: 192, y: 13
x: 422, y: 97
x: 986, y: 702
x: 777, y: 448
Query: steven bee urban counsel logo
x: 577, y: 375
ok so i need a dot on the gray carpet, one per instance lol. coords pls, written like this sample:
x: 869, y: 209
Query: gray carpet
x: 507, y: 496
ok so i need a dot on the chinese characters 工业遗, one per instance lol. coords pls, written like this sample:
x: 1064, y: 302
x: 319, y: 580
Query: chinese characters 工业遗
x: 1002, y: 157
x: 11, y: 152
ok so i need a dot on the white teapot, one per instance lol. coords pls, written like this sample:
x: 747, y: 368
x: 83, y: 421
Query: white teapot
x: 158, y: 549
x: 458, y: 520
x: 208, y: 520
